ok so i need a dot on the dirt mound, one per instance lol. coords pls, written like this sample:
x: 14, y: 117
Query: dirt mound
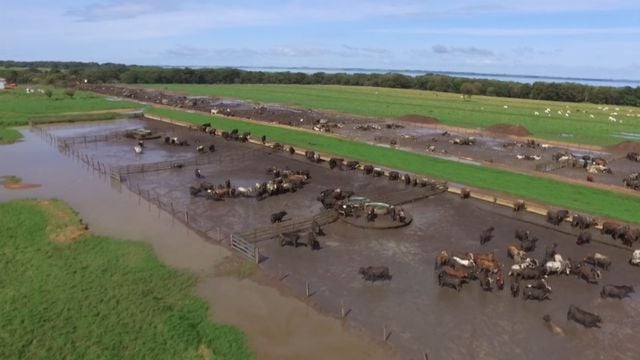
x: 507, y: 129
x: 421, y: 119
x: 625, y: 147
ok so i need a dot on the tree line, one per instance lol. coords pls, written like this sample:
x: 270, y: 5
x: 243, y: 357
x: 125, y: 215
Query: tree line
x: 64, y: 73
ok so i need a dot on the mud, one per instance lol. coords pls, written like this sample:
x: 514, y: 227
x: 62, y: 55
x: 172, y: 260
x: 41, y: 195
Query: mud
x: 416, y: 134
x: 120, y: 214
x: 419, y: 317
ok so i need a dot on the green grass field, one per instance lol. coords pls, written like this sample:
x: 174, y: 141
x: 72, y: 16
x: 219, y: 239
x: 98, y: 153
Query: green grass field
x: 581, y: 198
x: 478, y: 112
x: 17, y: 108
x: 96, y: 298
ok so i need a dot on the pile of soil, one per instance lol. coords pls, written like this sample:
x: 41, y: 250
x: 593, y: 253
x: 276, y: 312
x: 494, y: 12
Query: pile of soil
x: 508, y: 129
x: 625, y: 147
x: 420, y: 119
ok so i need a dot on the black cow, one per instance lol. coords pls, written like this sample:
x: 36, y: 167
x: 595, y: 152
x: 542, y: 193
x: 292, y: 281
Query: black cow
x: 556, y: 217
x: 194, y: 191
x: 529, y: 244
x: 530, y: 293
x: 212, y: 148
x: 582, y: 317
x: 290, y: 239
x: 616, y: 291
x: 263, y: 139
x: 368, y: 169
x: 486, y: 235
x: 375, y: 273
x: 514, y: 284
x: 445, y: 280
x: 533, y: 274
x: 522, y: 234
x: 407, y: 179
x: 394, y: 175
x: 199, y: 174
x: 312, y: 241
x: 352, y: 164
x: 584, y: 238
x: 277, y: 217
x: 549, y: 252
x: 582, y: 221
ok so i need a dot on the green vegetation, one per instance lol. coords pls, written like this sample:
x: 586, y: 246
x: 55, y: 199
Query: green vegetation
x: 69, y: 294
x: 476, y: 112
x: 17, y: 108
x: 10, y: 179
x: 9, y: 136
x: 549, y: 191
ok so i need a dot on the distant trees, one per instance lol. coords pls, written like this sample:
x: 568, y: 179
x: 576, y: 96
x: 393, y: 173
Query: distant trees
x: 62, y: 73
x: 48, y: 93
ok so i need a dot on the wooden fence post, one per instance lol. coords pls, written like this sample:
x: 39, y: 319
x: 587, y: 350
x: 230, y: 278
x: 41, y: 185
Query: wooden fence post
x: 384, y: 332
x: 342, y: 314
x: 186, y: 216
x: 307, y: 288
x: 257, y: 253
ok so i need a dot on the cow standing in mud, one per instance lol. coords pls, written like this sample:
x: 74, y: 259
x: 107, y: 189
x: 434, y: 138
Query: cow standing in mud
x: 277, y: 217
x: 584, y: 238
x: 486, y: 235
x: 616, y: 291
x: 556, y: 217
x: 583, y: 317
x: 582, y: 222
x: 375, y: 273
x: 519, y: 205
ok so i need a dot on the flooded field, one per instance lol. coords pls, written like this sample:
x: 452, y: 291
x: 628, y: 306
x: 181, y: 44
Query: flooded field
x: 121, y: 214
x: 411, y: 309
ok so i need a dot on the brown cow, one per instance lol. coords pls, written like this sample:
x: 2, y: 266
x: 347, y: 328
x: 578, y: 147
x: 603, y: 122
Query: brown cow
x: 519, y: 205
x: 457, y: 273
x: 465, y: 193
x: 442, y: 259
x: 610, y: 228
x: 490, y: 266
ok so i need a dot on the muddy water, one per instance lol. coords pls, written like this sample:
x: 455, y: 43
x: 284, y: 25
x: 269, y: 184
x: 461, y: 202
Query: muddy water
x: 277, y: 326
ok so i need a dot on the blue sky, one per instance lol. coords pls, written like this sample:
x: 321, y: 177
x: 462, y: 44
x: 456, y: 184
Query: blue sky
x: 575, y: 38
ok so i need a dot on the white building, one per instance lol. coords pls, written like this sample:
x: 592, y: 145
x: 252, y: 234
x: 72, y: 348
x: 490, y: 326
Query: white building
x: 3, y: 82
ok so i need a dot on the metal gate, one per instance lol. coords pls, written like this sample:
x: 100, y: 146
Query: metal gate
x: 245, y: 248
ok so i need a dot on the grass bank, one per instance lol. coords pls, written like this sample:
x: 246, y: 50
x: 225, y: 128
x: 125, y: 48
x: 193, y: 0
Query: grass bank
x: 579, y: 123
x: 9, y: 136
x: 581, y: 198
x: 69, y: 294
x: 17, y: 108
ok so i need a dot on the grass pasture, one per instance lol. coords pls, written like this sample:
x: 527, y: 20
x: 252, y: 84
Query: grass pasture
x: 17, y: 108
x: 549, y: 191
x: 478, y: 112
x: 68, y: 294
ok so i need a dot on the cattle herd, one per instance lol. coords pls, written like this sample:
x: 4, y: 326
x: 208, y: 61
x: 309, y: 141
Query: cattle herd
x: 528, y: 276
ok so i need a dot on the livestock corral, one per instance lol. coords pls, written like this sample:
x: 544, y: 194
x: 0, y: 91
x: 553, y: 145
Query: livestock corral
x: 503, y: 145
x: 425, y: 270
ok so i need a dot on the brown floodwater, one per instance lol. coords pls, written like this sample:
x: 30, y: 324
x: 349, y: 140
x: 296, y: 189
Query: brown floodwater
x: 277, y: 326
